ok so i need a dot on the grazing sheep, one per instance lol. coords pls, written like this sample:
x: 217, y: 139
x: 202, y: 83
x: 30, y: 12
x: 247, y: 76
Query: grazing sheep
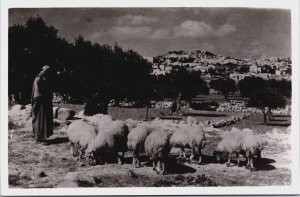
x: 111, y: 139
x: 104, y: 121
x: 157, y: 147
x: 80, y: 133
x: 240, y: 142
x: 136, y: 140
x: 98, y: 119
x: 189, y: 137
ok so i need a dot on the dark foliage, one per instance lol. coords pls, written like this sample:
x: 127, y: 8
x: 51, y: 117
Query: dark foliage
x: 249, y: 85
x: 225, y: 86
x: 265, y: 100
x: 282, y: 86
x: 82, y: 68
x: 182, y: 82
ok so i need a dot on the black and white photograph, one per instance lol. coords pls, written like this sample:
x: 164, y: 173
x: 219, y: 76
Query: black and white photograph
x: 150, y: 97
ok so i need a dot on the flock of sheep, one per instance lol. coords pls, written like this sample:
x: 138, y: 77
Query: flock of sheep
x: 104, y: 139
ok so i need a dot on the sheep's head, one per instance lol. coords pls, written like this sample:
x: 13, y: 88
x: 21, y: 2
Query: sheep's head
x: 96, y: 156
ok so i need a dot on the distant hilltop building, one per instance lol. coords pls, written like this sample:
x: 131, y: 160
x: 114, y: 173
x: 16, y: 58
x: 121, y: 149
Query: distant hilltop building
x: 149, y: 59
x: 221, y: 66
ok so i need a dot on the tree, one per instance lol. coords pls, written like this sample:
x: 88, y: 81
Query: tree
x: 183, y: 83
x: 283, y: 86
x: 225, y: 86
x: 249, y: 85
x: 30, y: 47
x: 83, y: 69
x: 265, y: 100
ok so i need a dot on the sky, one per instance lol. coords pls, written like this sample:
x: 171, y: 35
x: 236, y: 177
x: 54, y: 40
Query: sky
x: 234, y: 32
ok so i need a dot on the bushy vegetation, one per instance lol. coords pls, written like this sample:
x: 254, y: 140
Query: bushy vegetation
x: 225, y: 86
x: 265, y: 94
x: 83, y: 68
x: 183, y: 83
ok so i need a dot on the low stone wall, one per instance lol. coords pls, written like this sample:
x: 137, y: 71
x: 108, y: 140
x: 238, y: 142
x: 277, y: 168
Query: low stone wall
x: 230, y: 121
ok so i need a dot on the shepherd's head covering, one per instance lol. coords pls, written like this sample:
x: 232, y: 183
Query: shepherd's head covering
x: 46, y: 67
x: 45, y: 71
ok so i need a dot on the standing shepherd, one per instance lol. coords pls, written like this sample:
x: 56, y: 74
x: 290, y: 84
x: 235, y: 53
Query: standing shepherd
x: 41, y: 101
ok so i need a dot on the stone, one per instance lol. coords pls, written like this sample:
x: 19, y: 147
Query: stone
x: 65, y: 114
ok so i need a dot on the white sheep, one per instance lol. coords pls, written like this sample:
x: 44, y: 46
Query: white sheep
x: 136, y: 140
x: 80, y: 134
x: 157, y: 147
x: 111, y: 139
x: 189, y: 137
x: 104, y: 121
x: 98, y: 119
x: 240, y: 142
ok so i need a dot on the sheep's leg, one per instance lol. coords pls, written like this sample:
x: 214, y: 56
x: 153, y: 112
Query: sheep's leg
x: 252, y: 168
x: 133, y: 161
x: 193, y: 154
x: 228, y: 162
x: 154, y: 166
x: 137, y: 162
x: 251, y: 162
x: 158, y: 166
x: 200, y: 155
x: 72, y: 148
x: 183, y: 152
x: 238, y: 159
x: 75, y: 149
x: 120, y: 158
x: 248, y: 162
x: 163, y: 167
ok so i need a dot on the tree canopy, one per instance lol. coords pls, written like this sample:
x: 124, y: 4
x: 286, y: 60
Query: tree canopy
x: 265, y: 100
x: 182, y: 82
x: 249, y: 85
x: 83, y: 68
x: 225, y: 86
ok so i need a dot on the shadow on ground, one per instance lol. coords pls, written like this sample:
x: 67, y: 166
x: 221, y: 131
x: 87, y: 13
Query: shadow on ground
x: 264, y: 164
x: 58, y: 140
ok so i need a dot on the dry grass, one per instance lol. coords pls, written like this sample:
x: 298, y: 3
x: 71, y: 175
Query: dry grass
x: 27, y: 160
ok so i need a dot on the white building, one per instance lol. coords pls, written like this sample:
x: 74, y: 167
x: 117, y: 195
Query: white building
x: 238, y: 76
x: 254, y: 68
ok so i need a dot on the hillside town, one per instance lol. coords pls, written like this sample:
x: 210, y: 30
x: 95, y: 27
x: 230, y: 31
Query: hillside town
x: 218, y: 66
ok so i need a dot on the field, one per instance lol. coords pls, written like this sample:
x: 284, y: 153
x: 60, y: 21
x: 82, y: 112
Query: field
x: 34, y: 165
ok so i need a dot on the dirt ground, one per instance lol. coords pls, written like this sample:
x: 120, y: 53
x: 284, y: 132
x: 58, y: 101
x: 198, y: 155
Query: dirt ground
x: 34, y: 165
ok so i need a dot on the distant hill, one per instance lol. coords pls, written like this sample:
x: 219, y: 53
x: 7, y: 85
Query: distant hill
x: 205, y: 61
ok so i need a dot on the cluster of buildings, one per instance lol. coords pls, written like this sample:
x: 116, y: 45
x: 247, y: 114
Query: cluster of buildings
x: 217, y: 66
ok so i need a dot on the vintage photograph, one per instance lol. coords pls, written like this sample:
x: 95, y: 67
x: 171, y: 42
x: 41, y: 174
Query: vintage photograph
x: 149, y: 97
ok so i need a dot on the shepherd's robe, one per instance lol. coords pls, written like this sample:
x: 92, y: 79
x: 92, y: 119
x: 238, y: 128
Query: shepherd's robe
x: 42, y: 109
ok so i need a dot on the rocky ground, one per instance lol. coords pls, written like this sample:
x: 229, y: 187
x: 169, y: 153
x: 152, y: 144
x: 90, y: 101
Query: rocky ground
x: 34, y: 165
